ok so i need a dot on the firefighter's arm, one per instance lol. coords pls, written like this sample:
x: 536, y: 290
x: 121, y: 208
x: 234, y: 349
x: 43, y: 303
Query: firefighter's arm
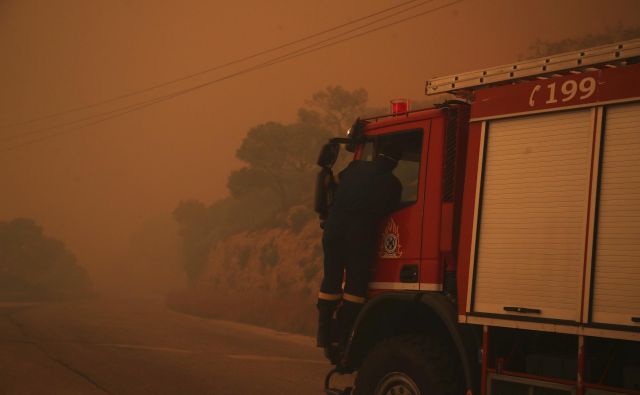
x: 395, y: 195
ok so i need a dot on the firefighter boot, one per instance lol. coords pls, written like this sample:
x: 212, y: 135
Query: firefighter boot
x: 346, y: 318
x: 326, y: 309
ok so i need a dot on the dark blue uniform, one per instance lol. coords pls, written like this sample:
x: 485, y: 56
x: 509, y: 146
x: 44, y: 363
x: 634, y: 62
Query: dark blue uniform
x: 367, y: 191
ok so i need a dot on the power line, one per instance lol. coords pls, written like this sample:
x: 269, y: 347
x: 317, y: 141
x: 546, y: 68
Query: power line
x: 283, y: 58
x: 208, y: 70
x: 280, y: 59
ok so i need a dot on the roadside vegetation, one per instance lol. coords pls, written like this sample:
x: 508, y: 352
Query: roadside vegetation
x: 34, y: 266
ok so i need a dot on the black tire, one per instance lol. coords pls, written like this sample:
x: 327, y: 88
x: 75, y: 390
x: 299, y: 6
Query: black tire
x: 409, y: 365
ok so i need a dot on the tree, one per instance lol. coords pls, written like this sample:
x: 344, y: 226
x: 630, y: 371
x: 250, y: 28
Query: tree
x: 279, y: 173
x: 281, y: 158
x: 191, y: 216
x: 31, y: 263
x: 338, y: 107
x: 541, y: 47
x: 201, y: 226
x: 266, y: 149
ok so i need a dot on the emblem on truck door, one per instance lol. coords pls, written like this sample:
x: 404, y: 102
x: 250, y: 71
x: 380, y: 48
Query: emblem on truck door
x: 390, y: 246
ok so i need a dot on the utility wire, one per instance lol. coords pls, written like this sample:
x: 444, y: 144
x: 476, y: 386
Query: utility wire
x: 266, y: 63
x: 208, y: 70
x: 283, y: 58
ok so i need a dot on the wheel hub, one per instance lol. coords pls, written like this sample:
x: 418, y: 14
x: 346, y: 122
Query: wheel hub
x: 397, y: 383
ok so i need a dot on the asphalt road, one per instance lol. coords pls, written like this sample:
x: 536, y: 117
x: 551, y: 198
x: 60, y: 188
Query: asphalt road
x: 141, y: 347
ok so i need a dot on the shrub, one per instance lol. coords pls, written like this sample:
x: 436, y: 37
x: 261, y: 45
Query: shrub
x: 299, y: 218
x: 303, y: 262
x: 310, y: 272
x: 243, y: 257
x: 269, y: 256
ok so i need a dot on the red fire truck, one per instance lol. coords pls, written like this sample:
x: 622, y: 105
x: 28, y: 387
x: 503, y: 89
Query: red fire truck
x: 513, y: 264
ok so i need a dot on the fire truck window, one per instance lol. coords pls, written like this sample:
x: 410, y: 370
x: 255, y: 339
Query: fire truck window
x: 408, y: 169
x: 367, y: 151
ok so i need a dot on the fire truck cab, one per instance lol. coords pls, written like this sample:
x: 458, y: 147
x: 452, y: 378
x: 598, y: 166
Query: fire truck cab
x: 512, y: 265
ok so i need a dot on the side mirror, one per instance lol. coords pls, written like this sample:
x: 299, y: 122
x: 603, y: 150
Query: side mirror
x: 328, y: 154
x: 355, y: 135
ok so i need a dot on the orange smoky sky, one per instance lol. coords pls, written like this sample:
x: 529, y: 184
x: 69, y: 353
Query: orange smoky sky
x: 96, y: 186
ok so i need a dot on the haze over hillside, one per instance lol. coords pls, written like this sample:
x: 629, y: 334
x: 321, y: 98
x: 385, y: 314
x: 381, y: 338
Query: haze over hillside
x: 99, y: 187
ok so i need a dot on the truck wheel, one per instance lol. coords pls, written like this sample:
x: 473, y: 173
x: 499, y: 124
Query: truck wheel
x: 409, y: 365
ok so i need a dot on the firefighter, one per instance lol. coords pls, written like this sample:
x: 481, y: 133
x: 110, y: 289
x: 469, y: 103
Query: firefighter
x: 366, y: 192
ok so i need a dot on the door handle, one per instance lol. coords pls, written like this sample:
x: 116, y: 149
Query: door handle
x: 525, y: 310
x: 409, y: 273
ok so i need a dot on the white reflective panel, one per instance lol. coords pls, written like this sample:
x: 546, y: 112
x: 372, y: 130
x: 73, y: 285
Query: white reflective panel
x: 533, y: 215
x: 616, y: 293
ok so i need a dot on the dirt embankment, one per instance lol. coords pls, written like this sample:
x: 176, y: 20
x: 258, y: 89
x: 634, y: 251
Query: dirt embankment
x: 268, y: 278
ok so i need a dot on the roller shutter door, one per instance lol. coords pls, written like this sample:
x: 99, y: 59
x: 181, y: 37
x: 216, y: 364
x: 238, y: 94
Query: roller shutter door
x: 616, y: 293
x: 533, y: 211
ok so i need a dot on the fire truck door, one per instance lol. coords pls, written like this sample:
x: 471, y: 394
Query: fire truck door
x: 397, y: 265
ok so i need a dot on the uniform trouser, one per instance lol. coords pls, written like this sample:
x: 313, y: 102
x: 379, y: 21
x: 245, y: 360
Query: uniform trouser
x: 349, y: 250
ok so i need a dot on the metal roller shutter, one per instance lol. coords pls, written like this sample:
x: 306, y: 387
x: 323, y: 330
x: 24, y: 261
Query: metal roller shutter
x: 533, y: 212
x: 616, y: 293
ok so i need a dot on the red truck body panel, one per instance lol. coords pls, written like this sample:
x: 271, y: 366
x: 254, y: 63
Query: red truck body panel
x: 525, y: 225
x: 609, y: 84
x: 604, y: 89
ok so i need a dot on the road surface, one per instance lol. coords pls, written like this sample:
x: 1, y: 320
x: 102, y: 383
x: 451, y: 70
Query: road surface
x: 141, y: 347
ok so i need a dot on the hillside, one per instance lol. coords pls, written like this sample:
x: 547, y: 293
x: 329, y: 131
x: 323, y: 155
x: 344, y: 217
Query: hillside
x: 268, y: 277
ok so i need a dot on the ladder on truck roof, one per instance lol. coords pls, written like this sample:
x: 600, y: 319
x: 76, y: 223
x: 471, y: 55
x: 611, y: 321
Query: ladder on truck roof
x: 604, y: 54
